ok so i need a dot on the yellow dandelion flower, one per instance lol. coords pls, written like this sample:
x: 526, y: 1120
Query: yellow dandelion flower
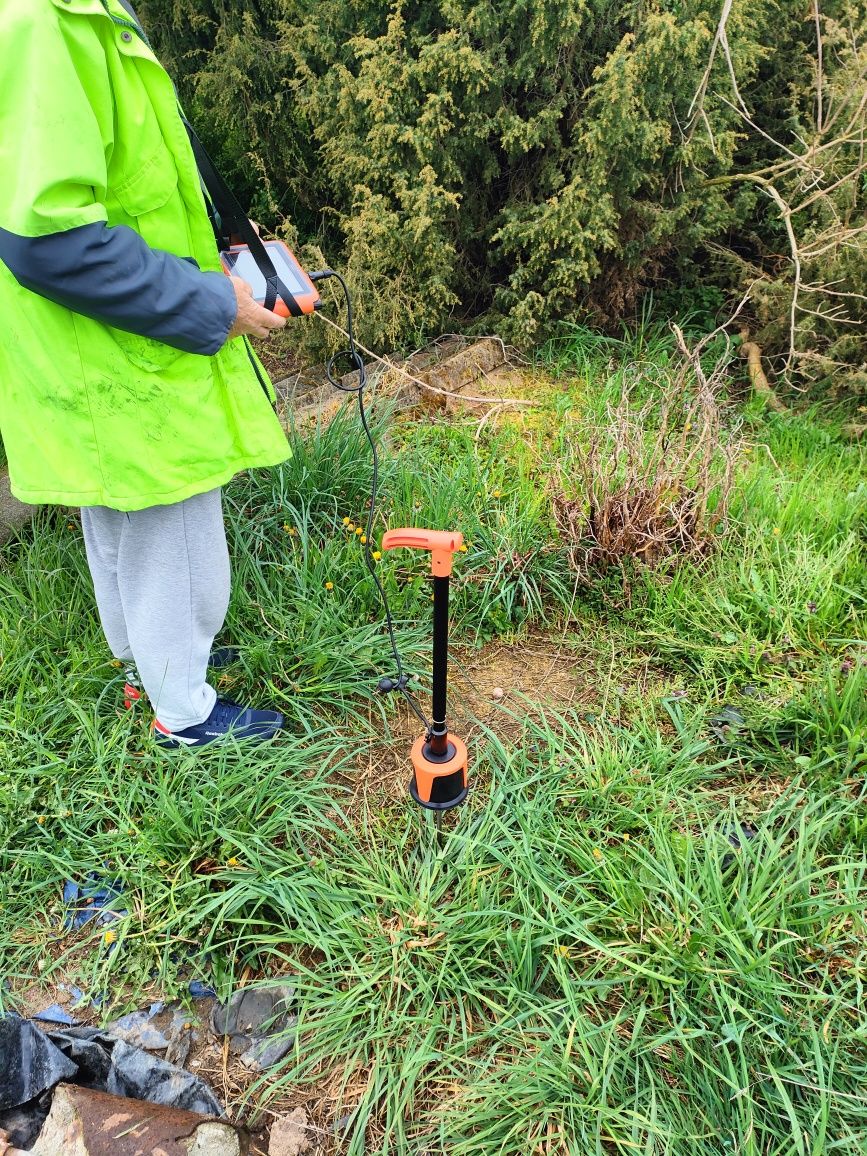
x: 346, y: 521
x: 116, y: 662
x: 233, y: 862
x: 109, y: 938
x: 363, y: 539
x: 40, y: 820
x: 463, y: 549
x: 329, y: 585
x: 626, y: 836
x: 376, y: 555
x: 776, y: 531
x: 498, y: 493
x: 597, y: 854
x: 358, y: 531
x: 350, y: 525
x: 563, y: 951
x: 286, y: 527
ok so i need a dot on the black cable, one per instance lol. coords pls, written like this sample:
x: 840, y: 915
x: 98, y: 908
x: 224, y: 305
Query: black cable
x: 357, y: 364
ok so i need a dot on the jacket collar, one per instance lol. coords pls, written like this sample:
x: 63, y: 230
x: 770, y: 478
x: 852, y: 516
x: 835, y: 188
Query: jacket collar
x: 120, y: 8
x: 83, y: 7
x: 117, y: 10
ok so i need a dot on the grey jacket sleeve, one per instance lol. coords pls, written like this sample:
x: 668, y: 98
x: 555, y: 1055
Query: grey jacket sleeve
x: 112, y: 275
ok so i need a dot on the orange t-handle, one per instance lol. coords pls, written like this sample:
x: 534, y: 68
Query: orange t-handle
x: 443, y: 545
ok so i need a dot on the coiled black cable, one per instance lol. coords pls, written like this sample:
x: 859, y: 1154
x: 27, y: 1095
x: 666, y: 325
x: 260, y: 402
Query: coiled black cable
x: 356, y: 363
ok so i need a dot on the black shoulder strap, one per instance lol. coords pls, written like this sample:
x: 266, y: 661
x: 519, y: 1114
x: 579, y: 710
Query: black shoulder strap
x: 235, y: 221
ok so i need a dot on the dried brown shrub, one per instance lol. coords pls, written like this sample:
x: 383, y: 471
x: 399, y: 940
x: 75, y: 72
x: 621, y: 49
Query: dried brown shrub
x: 653, y: 484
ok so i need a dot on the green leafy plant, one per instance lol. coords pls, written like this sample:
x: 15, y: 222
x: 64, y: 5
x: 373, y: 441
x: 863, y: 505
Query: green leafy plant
x: 557, y: 160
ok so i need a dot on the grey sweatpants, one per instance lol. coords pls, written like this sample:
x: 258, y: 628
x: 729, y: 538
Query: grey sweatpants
x: 161, y: 579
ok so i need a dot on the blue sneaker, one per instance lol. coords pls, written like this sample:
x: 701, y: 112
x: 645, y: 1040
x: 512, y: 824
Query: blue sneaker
x: 226, y: 720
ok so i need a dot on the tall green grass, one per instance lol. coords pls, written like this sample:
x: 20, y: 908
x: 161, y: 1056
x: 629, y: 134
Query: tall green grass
x: 643, y: 933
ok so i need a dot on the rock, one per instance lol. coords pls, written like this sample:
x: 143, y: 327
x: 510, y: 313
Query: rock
x: 83, y: 1122
x: 289, y: 1135
x: 13, y: 514
x: 6, y: 1148
x: 266, y: 1051
x: 257, y: 1023
x: 136, y: 1029
x: 497, y: 692
x: 180, y: 1041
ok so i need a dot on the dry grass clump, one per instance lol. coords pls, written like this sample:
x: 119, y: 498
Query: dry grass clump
x: 653, y: 482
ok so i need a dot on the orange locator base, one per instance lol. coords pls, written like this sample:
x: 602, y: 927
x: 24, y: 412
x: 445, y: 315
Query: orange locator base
x: 439, y: 784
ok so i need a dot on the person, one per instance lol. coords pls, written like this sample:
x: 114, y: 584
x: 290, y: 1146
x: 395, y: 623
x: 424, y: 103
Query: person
x: 128, y: 385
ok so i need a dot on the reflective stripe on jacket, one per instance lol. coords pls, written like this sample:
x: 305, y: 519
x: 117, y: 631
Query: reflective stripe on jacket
x: 117, y: 385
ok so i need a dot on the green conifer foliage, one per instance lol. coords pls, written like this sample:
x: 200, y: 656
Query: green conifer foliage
x: 518, y: 160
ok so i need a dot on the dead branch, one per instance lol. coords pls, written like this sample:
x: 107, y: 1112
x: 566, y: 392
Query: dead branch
x: 758, y: 380
x: 814, y: 172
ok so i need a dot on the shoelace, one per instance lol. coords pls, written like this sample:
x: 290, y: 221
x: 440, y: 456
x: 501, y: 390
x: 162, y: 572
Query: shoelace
x: 225, y: 712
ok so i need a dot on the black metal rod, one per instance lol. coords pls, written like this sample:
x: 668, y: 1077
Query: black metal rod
x: 438, y: 826
x: 439, y: 730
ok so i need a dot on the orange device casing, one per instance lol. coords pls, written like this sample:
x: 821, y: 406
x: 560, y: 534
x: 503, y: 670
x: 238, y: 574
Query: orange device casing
x: 238, y: 261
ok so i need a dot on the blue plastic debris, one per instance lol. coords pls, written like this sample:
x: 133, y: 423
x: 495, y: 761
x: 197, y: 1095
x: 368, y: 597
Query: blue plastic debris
x: 55, y: 1015
x: 79, y: 999
x: 200, y: 990
x: 93, y: 899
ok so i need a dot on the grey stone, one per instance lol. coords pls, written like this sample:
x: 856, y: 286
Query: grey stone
x: 289, y: 1135
x: 257, y: 1023
x: 265, y: 1051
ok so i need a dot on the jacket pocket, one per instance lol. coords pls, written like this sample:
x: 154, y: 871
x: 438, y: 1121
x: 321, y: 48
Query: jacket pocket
x: 150, y: 187
x: 149, y: 203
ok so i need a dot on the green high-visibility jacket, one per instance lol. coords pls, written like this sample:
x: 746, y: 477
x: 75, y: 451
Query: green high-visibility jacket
x: 117, y: 384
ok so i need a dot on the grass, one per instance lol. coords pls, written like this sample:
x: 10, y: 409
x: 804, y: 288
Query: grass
x: 604, y: 958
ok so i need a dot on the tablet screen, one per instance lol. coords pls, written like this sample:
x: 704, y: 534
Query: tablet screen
x: 242, y: 264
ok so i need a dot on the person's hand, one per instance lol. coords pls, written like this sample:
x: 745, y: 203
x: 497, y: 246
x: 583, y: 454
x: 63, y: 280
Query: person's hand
x: 253, y: 318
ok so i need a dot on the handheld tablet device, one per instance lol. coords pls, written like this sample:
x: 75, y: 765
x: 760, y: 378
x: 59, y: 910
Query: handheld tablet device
x: 239, y: 261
